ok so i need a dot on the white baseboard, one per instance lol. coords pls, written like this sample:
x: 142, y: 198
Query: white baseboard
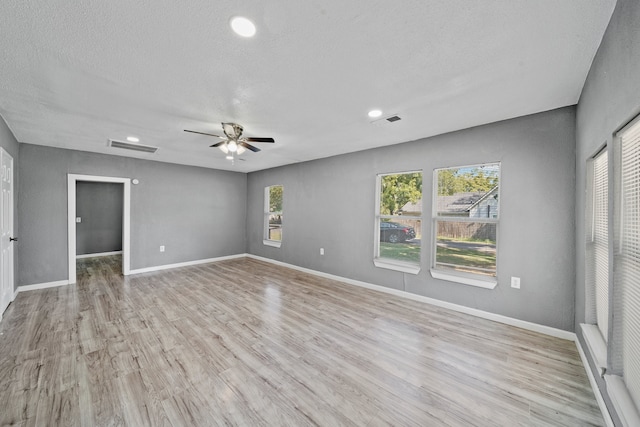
x: 46, y: 285
x: 547, y: 330
x: 98, y: 254
x: 594, y: 386
x: 185, y: 264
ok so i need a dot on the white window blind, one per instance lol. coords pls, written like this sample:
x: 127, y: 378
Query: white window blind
x: 598, y: 247
x: 627, y: 259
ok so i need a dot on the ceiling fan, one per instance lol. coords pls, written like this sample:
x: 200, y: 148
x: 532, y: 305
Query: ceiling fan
x: 234, y: 142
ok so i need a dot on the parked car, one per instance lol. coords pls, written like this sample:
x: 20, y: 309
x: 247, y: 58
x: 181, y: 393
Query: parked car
x: 393, y: 232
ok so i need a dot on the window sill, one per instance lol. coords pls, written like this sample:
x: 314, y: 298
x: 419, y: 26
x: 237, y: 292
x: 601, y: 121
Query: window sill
x: 596, y: 345
x: 622, y: 402
x: 274, y: 243
x: 480, y: 283
x: 396, y: 265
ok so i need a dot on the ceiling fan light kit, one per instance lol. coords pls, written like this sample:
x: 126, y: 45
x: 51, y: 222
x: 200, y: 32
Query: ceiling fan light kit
x: 234, y: 143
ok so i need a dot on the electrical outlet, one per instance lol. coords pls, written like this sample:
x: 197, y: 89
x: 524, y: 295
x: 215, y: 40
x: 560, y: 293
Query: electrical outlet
x: 321, y: 251
x: 162, y: 248
x: 515, y: 282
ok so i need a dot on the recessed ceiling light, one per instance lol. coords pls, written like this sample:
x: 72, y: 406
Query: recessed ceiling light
x: 375, y: 113
x: 243, y: 27
x: 133, y: 139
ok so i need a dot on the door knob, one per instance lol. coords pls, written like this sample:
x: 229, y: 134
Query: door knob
x: 13, y: 239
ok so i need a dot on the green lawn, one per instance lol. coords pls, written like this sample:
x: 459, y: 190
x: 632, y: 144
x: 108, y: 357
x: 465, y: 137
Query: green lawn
x: 462, y: 257
x: 465, y: 257
x: 400, y: 251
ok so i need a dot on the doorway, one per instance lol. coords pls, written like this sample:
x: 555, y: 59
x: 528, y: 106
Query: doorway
x: 6, y: 231
x: 73, y: 179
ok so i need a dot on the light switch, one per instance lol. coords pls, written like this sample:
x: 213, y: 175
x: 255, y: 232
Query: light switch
x: 78, y: 220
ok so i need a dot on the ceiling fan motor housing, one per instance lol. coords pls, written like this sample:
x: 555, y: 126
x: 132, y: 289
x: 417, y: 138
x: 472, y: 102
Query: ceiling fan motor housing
x: 232, y: 130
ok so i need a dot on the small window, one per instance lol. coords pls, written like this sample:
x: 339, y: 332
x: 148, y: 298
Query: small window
x: 466, y: 211
x: 398, y: 229
x: 273, y: 215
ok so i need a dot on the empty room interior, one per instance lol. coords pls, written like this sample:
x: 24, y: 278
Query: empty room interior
x: 328, y: 213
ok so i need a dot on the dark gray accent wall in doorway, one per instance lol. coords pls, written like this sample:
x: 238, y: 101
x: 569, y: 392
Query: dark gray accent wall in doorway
x: 329, y: 203
x: 196, y: 213
x: 99, y: 206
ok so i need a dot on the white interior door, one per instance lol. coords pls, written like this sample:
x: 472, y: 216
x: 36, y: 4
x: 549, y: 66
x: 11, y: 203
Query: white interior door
x: 6, y: 230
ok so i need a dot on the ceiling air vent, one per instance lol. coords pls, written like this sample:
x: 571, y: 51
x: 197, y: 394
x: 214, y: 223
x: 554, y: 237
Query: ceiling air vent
x: 130, y: 146
x: 384, y: 121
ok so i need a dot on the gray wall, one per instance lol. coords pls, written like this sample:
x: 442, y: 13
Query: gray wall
x: 99, y: 205
x: 330, y: 203
x: 196, y: 213
x: 610, y: 98
x: 10, y: 144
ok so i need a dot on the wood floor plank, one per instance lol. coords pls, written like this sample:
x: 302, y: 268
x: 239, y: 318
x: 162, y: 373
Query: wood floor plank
x: 248, y: 343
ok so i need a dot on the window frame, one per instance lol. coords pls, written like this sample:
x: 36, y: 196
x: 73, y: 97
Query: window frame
x: 471, y: 279
x: 620, y: 382
x: 591, y: 330
x: 267, y: 213
x: 389, y: 263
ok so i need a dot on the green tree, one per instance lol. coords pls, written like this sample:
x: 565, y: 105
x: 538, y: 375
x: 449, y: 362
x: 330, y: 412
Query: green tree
x: 275, y: 198
x: 398, y: 190
x: 452, y: 181
x: 449, y: 182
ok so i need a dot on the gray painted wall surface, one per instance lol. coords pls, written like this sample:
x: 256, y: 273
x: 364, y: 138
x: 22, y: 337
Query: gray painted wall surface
x: 196, y: 213
x: 330, y: 203
x: 99, y: 205
x: 10, y: 144
x: 610, y: 98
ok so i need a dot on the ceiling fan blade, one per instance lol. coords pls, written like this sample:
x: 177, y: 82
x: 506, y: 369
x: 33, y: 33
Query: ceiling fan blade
x: 218, y: 144
x: 203, y: 133
x: 249, y: 146
x: 255, y: 139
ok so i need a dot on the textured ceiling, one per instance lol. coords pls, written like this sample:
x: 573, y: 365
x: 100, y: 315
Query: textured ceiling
x: 75, y: 73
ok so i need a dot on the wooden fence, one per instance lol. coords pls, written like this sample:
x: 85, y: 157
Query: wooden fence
x: 466, y: 230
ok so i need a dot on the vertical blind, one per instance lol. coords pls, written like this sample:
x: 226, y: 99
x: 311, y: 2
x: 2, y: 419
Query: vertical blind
x: 627, y: 259
x: 599, y: 248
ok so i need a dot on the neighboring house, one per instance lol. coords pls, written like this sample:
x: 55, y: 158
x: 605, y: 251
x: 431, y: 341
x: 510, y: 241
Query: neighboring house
x: 486, y: 206
x: 471, y: 205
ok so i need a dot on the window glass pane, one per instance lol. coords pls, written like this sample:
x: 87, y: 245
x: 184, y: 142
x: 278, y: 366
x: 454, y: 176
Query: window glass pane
x: 401, y: 194
x: 275, y: 198
x: 275, y: 227
x: 468, y: 191
x: 401, y: 229
x: 468, y: 247
x: 400, y: 239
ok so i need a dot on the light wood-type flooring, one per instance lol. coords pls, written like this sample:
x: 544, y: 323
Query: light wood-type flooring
x: 244, y: 342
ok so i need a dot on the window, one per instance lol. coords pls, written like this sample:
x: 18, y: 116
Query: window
x: 398, y: 228
x: 624, y: 382
x: 466, y: 211
x: 273, y: 215
x: 597, y: 258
